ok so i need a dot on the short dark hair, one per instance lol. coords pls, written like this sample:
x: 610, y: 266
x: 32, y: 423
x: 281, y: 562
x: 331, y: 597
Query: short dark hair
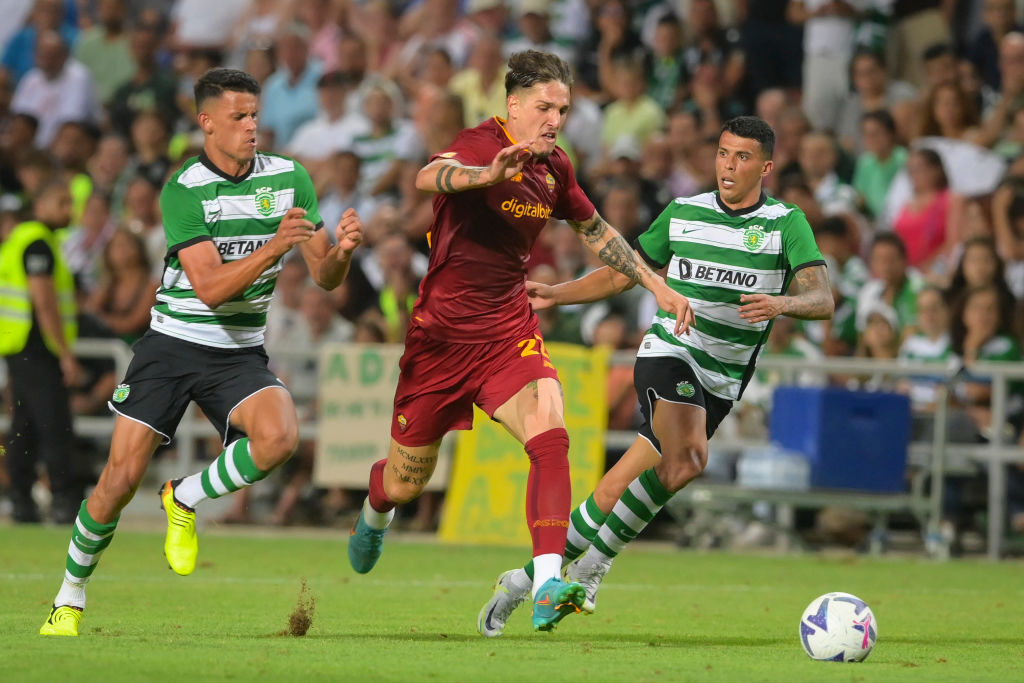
x: 529, y: 67
x: 883, y: 118
x: 937, y: 50
x: 216, y: 82
x: 893, y: 240
x: 833, y: 225
x: 752, y: 128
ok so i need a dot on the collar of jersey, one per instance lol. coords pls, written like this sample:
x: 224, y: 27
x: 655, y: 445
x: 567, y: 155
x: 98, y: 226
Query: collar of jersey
x: 746, y: 209
x: 205, y: 161
x: 502, y: 123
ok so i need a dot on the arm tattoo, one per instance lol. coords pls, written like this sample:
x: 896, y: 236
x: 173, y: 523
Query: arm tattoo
x: 473, y: 174
x: 619, y: 256
x: 814, y: 300
x: 593, y: 231
x: 449, y: 187
x: 437, y: 179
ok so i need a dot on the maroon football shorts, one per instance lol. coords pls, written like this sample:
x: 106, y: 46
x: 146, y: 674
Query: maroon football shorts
x: 441, y: 380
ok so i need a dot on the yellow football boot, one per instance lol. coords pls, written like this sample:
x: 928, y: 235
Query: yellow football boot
x: 63, y: 621
x: 181, y: 545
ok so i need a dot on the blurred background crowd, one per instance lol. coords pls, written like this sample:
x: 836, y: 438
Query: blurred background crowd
x: 900, y: 129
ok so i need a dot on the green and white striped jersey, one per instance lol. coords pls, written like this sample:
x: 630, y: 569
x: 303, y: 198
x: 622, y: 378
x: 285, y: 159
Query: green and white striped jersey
x: 239, y: 215
x: 714, y: 255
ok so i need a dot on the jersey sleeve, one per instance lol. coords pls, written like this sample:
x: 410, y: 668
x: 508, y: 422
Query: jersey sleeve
x: 470, y: 148
x: 184, y: 220
x: 305, y: 196
x: 573, y: 203
x: 39, y: 259
x: 798, y: 242
x: 653, y: 244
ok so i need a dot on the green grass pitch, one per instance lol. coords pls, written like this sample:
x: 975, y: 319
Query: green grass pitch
x: 663, y: 615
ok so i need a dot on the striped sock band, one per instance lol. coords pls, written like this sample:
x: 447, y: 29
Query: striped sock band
x: 635, y: 509
x: 89, y: 539
x: 583, y: 525
x: 233, y: 469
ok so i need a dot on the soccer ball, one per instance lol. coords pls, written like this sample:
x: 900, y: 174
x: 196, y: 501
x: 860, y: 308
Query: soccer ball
x: 838, y: 627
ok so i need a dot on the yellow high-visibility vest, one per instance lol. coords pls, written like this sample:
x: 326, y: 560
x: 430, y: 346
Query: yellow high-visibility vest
x: 15, y: 302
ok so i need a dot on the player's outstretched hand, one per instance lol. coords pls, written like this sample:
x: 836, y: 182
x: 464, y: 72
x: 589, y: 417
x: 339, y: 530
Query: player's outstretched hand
x: 509, y: 161
x: 541, y: 295
x: 757, y: 308
x: 349, y: 231
x: 677, y: 304
x: 294, y: 228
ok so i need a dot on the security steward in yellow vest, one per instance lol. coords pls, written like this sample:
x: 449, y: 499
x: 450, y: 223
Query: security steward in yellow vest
x: 37, y: 330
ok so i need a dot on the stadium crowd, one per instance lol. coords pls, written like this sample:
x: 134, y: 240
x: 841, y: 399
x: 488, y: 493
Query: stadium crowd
x: 900, y: 128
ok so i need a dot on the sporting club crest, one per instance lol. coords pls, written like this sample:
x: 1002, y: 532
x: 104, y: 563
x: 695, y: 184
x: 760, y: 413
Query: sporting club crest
x: 685, y: 389
x: 121, y: 393
x: 754, y: 237
x: 265, y: 201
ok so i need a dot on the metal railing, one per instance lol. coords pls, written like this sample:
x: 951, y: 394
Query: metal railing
x: 930, y: 459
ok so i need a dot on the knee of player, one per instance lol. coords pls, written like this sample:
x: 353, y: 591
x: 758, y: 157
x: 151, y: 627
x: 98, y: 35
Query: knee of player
x: 681, y: 464
x: 275, y: 445
x: 402, y: 492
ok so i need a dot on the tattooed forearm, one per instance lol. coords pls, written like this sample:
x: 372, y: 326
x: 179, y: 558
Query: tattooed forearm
x: 619, y: 256
x: 444, y: 180
x: 593, y: 230
x: 814, y: 300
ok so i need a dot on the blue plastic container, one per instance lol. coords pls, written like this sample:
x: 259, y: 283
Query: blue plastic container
x: 853, y: 439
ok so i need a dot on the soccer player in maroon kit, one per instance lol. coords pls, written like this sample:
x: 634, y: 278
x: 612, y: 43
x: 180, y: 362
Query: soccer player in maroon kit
x: 473, y: 337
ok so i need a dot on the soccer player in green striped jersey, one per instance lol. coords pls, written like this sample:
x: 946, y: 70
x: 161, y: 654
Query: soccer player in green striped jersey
x: 230, y: 215
x: 734, y: 254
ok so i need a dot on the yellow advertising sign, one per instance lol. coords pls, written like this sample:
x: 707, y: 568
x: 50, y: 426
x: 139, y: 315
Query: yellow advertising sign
x: 486, y: 500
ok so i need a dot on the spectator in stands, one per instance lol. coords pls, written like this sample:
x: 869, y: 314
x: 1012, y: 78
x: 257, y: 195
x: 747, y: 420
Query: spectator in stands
x: 879, y: 163
x: 683, y: 138
x: 632, y: 113
x: 929, y: 343
x: 433, y: 23
x: 84, y: 246
x: 667, y: 82
x: 401, y: 284
x: 708, y: 42
x: 254, y: 30
x: 149, y: 144
x: 534, y: 25
x: 17, y: 139
x: 71, y: 149
x: 793, y: 125
x: 104, y: 49
x: 818, y: 159
x: 892, y: 282
x: 321, y: 18
x: 914, y: 27
x: 949, y: 113
x: 386, y: 142
x: 777, y: 47
x: 204, y: 25
x: 481, y: 85
x: 848, y: 275
x: 980, y: 266
x: 343, y: 192
x: 377, y: 22
x: 983, y: 51
x: 107, y: 164
x: 872, y: 91
x: 980, y: 332
x: 828, y: 46
x: 923, y: 224
x: 127, y: 289
x: 1011, y: 98
x: 290, y: 95
x: 1008, y: 223
x: 47, y: 15
x: 150, y: 87
x: 614, y: 40
x: 56, y: 90
x: 330, y: 131
x: 939, y: 66
x: 142, y: 216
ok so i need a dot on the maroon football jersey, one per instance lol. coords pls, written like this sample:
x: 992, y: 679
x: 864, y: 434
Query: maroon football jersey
x: 474, y: 290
